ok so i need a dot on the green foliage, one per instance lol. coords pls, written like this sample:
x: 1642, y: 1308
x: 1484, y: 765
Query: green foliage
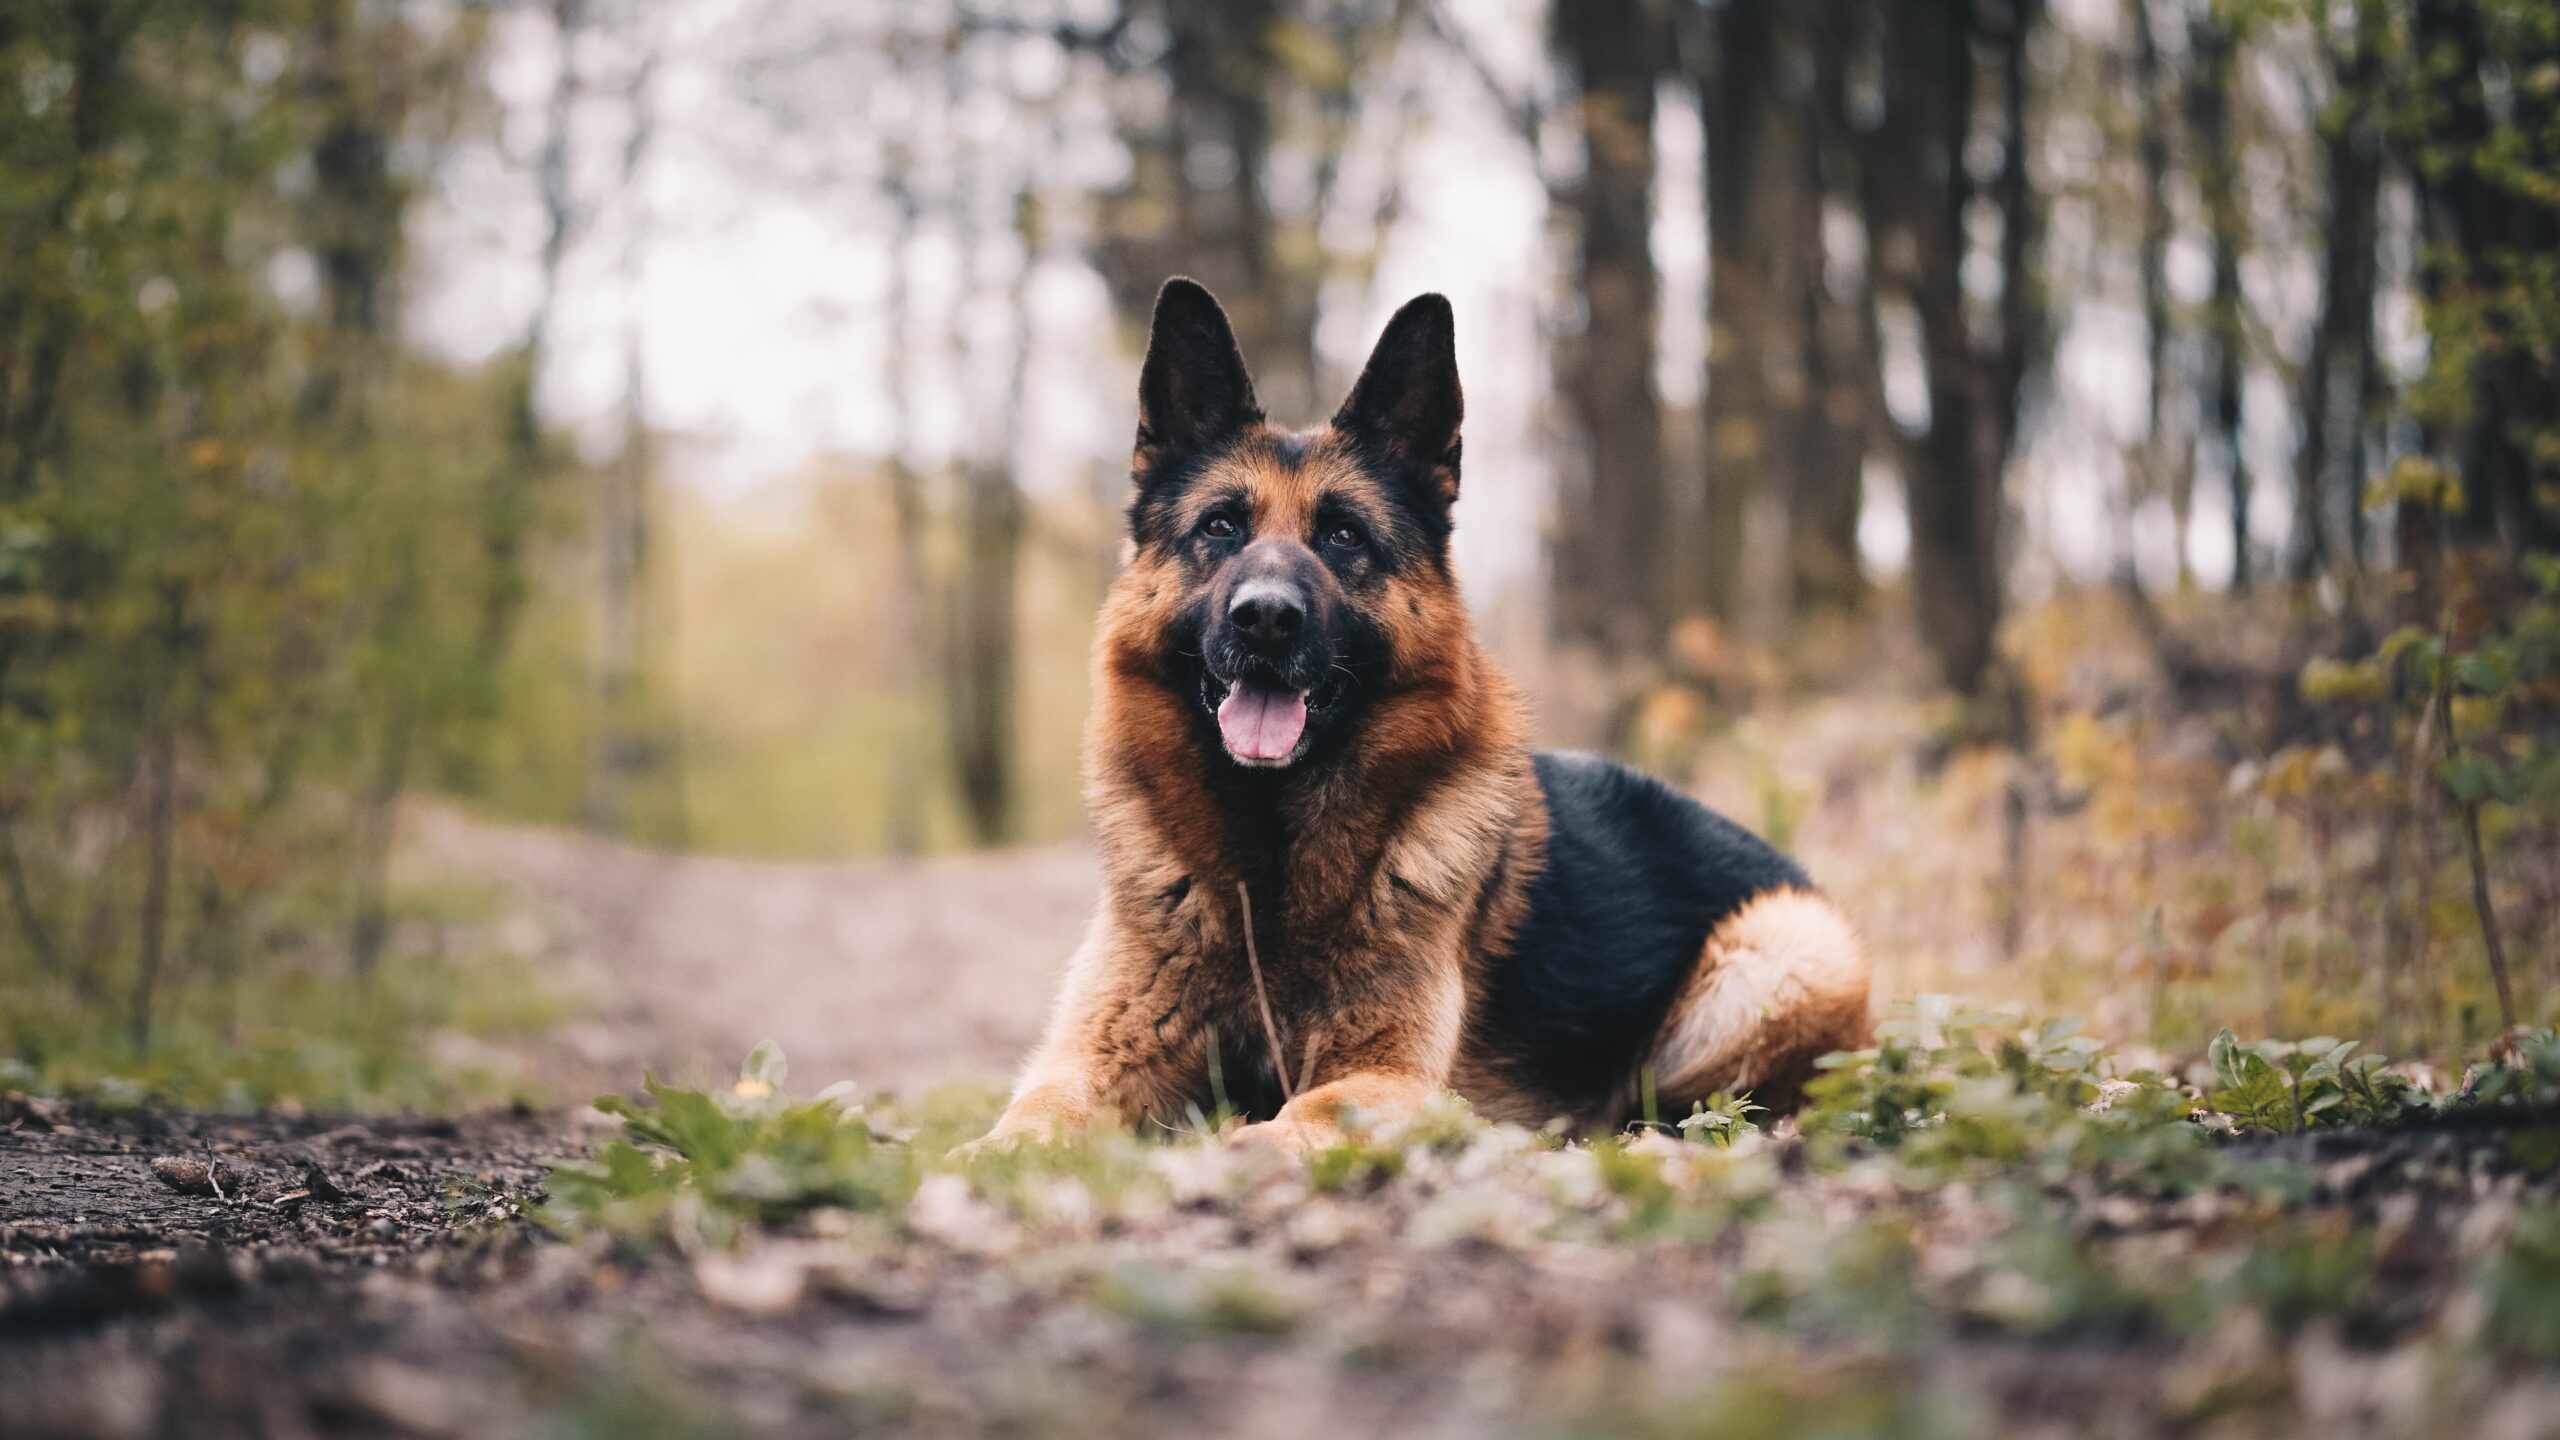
x: 1950, y: 1090
x: 1720, y: 1119
x: 1952, y: 1087
x: 2042, y: 1278
x: 702, y: 1165
x: 1354, y: 1165
x: 1785, y: 1402
x: 2277, y: 1085
x: 2527, y: 1073
x: 245, y: 545
x: 1945, y: 1093
x: 2096, y: 1204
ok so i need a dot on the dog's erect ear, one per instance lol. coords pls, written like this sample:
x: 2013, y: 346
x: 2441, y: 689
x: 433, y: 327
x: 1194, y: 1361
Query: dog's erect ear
x: 1406, y: 407
x: 1193, y: 391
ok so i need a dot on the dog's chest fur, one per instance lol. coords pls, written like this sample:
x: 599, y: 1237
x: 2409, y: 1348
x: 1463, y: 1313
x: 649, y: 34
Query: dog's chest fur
x: 1367, y: 898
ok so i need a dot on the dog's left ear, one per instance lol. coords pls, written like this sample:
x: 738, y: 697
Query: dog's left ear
x: 1193, y: 392
x: 1406, y: 407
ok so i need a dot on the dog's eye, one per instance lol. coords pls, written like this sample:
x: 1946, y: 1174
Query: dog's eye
x: 1347, y: 535
x: 1219, y: 527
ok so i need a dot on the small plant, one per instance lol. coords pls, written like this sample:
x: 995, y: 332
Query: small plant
x: 2287, y: 1086
x: 2527, y: 1072
x: 1720, y: 1119
x: 1926, y: 1054
x: 713, y: 1162
x: 2276, y: 1085
x: 1354, y: 1166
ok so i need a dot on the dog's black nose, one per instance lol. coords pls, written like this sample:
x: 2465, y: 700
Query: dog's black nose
x: 1268, y: 613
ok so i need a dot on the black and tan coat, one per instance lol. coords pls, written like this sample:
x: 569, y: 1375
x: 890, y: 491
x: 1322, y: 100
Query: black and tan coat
x: 1292, y: 713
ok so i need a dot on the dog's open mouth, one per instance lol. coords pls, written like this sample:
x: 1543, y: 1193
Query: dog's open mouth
x: 1262, y: 721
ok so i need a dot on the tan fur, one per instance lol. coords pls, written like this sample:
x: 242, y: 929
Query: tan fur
x: 1782, y: 982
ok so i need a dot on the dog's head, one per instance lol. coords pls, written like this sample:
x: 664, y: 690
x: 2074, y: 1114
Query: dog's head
x: 1291, y: 581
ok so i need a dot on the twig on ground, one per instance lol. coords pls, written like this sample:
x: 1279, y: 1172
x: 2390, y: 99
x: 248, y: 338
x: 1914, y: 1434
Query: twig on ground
x: 1262, y: 998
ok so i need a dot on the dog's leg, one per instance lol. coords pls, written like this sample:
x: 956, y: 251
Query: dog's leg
x: 1085, y: 1069
x: 1396, y: 1057
x: 1781, y: 983
x: 1352, y: 1107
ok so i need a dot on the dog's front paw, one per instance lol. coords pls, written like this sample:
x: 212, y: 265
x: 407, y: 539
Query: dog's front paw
x: 1286, y: 1137
x: 991, y: 1143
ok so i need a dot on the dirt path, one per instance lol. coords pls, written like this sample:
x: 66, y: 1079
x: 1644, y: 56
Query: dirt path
x: 892, y: 973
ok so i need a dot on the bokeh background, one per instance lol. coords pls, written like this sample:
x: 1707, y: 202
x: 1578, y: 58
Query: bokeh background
x: 567, y: 531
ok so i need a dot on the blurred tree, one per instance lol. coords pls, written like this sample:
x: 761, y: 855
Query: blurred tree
x: 1200, y: 140
x: 225, y: 489
x: 354, y: 222
x: 1754, y: 349
x: 633, y: 745
x: 508, y: 513
x: 1215, y: 102
x: 1792, y: 376
x: 1841, y: 410
x: 2215, y: 38
x: 2163, y: 466
x: 907, y: 618
x: 1610, y: 562
x: 985, y: 625
x: 2338, y: 374
x: 2480, y: 129
x: 1926, y: 180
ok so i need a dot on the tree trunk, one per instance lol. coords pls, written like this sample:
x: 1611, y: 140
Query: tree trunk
x: 2162, y: 473
x: 159, y: 831
x: 983, y: 611
x: 2486, y: 228
x: 1837, y: 416
x: 354, y: 221
x: 1609, y: 548
x: 44, y: 302
x: 507, y: 509
x: 2333, y: 400
x: 2209, y: 100
x: 907, y: 610
x: 1919, y: 192
x: 1748, y: 191
x: 1197, y: 201
x: 627, y: 748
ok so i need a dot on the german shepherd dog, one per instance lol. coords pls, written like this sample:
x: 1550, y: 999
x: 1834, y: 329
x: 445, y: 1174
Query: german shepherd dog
x: 1336, y: 880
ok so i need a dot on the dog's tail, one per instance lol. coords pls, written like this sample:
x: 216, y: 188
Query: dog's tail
x: 1779, y: 983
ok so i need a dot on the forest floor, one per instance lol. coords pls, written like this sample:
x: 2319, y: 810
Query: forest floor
x: 2033, y: 1268
x: 179, y: 1275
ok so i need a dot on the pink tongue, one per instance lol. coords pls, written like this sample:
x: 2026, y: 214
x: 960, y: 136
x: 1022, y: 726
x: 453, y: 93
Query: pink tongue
x: 1262, y: 723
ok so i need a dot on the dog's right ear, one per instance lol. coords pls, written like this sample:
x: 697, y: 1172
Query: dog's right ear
x: 1193, y: 391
